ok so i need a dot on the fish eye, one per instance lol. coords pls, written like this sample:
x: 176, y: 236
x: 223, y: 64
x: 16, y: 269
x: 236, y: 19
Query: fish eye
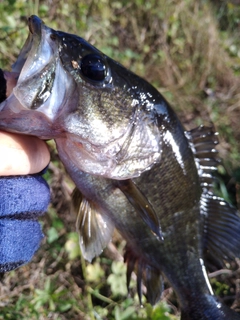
x: 93, y: 67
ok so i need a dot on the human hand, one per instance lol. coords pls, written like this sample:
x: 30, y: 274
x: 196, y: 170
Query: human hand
x: 19, y: 154
x: 24, y: 196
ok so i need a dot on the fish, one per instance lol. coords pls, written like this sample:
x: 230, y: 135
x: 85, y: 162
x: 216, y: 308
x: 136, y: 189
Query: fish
x: 135, y: 166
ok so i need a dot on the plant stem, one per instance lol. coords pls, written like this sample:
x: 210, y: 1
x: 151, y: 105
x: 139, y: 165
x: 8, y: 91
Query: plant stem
x: 89, y: 296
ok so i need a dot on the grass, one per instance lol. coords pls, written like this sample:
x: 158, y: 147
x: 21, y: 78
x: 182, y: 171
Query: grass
x: 190, y: 51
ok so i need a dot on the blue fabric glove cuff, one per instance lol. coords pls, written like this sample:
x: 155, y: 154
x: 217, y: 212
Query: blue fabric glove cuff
x: 22, y: 200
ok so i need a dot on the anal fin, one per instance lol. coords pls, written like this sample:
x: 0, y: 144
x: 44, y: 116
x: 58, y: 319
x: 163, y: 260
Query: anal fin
x: 94, y: 228
x: 146, y: 274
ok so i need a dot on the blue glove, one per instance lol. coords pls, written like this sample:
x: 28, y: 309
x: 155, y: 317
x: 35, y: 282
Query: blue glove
x: 22, y: 200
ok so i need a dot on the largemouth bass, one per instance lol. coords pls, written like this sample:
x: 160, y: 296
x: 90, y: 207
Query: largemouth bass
x: 135, y: 166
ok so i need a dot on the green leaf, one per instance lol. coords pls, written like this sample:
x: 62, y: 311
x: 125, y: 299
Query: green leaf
x: 94, y: 272
x: 72, y: 246
x: 117, y: 280
x: 52, y: 235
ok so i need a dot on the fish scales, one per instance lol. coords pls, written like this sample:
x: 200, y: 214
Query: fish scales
x: 135, y: 167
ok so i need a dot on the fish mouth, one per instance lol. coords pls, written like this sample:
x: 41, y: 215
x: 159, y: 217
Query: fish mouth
x: 40, y: 71
x: 37, y: 63
x: 35, y: 45
x: 34, y: 24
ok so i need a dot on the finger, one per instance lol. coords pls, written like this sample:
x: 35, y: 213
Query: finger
x: 21, y: 154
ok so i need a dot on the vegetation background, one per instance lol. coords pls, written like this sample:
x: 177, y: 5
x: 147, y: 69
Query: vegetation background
x: 188, y: 49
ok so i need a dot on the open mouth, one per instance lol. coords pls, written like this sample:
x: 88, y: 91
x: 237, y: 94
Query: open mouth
x: 47, y: 75
x: 34, y: 24
x: 37, y: 63
x: 43, y: 82
x: 47, y: 81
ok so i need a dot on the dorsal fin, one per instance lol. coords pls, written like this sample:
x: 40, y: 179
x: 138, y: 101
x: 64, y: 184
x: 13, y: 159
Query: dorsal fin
x: 150, y: 276
x: 94, y: 228
x: 203, y: 141
x: 221, y: 220
x: 221, y: 228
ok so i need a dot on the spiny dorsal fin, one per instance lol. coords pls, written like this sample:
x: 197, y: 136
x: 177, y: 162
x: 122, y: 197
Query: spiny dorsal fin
x: 94, y: 228
x: 150, y: 276
x: 203, y: 141
x: 221, y: 220
x: 221, y: 228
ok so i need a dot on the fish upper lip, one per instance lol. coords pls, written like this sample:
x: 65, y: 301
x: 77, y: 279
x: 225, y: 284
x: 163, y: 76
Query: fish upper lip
x: 34, y: 24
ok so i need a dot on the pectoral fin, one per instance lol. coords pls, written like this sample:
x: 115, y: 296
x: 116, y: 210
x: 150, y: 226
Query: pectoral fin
x: 94, y: 228
x: 141, y: 205
x: 221, y: 228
